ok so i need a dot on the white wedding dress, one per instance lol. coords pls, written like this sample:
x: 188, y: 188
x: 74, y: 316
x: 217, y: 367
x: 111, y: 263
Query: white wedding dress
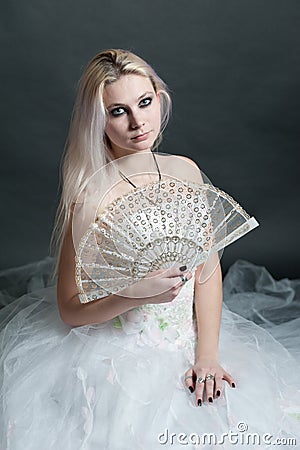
x: 119, y: 385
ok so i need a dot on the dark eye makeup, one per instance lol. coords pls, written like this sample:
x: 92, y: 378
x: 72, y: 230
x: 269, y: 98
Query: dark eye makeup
x: 120, y: 110
x: 117, y: 111
x: 145, y: 101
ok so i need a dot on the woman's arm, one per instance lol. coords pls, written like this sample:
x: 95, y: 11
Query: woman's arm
x: 158, y: 289
x: 208, y: 308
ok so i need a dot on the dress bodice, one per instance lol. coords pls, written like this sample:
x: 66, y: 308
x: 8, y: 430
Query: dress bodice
x: 166, y: 325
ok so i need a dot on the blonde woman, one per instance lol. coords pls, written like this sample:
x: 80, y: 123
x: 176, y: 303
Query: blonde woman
x: 140, y: 367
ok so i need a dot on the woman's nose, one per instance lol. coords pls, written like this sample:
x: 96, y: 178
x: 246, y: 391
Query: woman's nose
x: 136, y: 121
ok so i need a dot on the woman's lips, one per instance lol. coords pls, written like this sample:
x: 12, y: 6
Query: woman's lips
x: 141, y: 137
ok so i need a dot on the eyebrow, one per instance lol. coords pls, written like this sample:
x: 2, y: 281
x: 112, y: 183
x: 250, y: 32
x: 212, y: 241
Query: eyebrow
x: 122, y: 104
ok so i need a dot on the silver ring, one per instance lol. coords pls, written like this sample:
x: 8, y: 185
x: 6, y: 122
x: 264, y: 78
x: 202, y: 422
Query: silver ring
x: 200, y: 380
x: 189, y: 376
x: 210, y: 376
x: 183, y: 278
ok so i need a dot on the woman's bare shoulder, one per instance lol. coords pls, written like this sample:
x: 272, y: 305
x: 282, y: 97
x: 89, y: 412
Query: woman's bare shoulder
x: 176, y: 156
x: 189, y: 160
x: 181, y: 166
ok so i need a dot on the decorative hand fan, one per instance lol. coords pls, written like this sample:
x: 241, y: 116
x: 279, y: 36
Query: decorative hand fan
x: 153, y: 227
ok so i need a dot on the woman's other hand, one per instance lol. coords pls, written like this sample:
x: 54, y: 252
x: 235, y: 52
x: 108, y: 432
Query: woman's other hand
x: 205, y: 378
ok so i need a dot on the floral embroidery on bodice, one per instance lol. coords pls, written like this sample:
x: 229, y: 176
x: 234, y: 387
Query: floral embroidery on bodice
x: 166, y: 325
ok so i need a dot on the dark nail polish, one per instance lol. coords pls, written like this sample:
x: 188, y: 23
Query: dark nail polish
x: 182, y: 268
x: 210, y: 399
x: 199, y: 402
x: 233, y: 385
x: 218, y: 393
x: 191, y: 389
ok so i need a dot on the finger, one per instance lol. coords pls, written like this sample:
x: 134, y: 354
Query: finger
x: 176, y: 271
x: 189, y: 380
x: 180, y: 283
x: 175, y: 291
x: 229, y: 379
x: 199, y: 387
x: 218, y: 386
x: 209, y: 387
x: 156, y: 273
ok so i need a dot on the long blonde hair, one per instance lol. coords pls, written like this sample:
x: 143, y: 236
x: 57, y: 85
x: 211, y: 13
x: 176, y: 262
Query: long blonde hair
x: 87, y: 148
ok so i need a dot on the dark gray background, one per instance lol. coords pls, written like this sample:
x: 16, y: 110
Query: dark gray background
x: 233, y: 68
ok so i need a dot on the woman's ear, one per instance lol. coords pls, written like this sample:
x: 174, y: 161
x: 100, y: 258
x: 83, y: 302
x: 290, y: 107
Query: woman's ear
x: 158, y: 96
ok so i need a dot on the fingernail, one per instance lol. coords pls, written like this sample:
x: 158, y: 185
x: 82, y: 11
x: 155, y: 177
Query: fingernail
x: 233, y: 385
x: 191, y: 389
x: 218, y: 393
x: 182, y: 268
x: 210, y: 399
x: 199, y: 402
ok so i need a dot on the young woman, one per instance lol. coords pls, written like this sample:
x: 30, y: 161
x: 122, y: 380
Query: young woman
x: 142, y: 366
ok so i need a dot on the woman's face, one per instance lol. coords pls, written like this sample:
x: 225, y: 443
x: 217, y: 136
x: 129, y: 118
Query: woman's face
x: 133, y: 114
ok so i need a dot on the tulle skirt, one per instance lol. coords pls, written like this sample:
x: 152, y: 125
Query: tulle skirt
x: 94, y: 387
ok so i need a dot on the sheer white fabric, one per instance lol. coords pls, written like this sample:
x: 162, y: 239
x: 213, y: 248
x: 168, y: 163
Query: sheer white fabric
x: 119, y: 385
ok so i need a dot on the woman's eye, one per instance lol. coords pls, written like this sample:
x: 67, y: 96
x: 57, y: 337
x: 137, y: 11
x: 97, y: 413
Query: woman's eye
x: 117, y: 111
x: 146, y: 101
